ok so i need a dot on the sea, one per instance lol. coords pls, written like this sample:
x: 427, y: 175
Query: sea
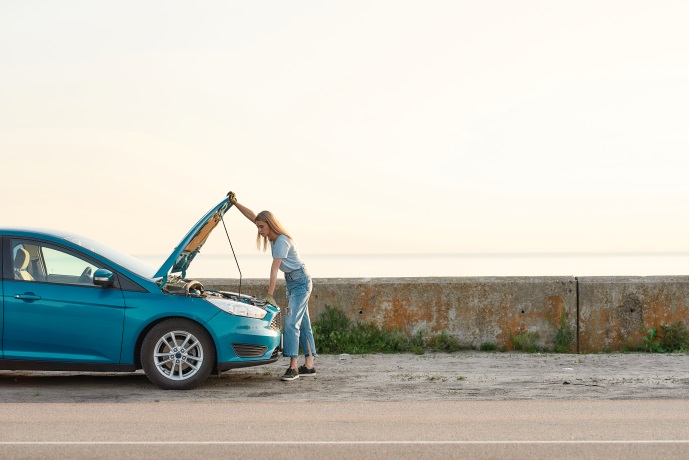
x: 443, y: 265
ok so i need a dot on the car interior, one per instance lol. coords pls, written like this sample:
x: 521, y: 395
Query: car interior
x: 33, y: 262
x: 21, y: 262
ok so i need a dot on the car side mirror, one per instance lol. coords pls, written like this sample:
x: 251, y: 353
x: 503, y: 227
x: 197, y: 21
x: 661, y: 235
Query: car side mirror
x: 103, y: 277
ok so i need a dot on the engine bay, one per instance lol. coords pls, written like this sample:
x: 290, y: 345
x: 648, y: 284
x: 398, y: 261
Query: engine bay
x: 176, y: 285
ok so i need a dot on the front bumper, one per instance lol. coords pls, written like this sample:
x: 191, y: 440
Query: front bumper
x: 238, y: 364
x: 242, y: 342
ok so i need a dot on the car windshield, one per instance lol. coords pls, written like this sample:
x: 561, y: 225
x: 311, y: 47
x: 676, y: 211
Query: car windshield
x: 122, y: 259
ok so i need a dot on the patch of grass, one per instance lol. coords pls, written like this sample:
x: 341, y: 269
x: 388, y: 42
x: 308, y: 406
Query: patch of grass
x: 335, y: 333
x: 444, y: 342
x: 418, y: 339
x: 418, y: 350
x: 564, y: 337
x: 651, y: 343
x: 674, y: 337
x: 662, y: 339
x: 630, y: 346
x: 488, y: 346
x: 525, y: 341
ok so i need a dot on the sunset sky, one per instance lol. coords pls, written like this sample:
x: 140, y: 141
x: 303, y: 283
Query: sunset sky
x: 365, y: 126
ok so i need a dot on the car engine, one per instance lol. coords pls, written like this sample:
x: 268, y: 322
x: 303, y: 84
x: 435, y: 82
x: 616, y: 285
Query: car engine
x: 192, y: 288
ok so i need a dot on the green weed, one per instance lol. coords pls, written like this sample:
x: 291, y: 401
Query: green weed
x: 488, y: 346
x: 335, y: 333
x: 665, y: 339
x: 418, y: 350
x: 525, y: 341
x: 651, y: 343
x: 564, y: 337
x: 674, y: 337
x: 444, y: 342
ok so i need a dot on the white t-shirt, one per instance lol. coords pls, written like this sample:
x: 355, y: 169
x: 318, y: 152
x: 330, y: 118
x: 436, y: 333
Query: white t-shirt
x: 285, y: 249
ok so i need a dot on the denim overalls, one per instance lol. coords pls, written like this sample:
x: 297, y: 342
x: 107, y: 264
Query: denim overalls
x: 297, y: 322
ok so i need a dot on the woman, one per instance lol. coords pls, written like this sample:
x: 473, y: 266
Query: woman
x: 297, y: 330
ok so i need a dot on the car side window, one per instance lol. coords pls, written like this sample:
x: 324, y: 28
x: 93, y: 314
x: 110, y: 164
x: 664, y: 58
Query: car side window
x: 36, y: 262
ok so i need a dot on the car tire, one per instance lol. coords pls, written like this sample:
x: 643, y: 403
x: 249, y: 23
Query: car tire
x: 177, y: 354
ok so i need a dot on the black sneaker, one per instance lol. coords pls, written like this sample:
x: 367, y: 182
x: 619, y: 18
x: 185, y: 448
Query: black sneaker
x: 305, y: 371
x: 290, y: 374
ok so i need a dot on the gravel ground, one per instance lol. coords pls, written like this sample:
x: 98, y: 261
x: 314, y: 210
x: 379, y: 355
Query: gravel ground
x: 377, y: 377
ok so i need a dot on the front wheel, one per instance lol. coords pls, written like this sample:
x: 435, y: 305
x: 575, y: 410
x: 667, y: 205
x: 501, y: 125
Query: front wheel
x: 177, y: 354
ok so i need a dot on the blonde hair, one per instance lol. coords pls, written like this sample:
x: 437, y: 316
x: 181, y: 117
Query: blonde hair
x: 274, y: 224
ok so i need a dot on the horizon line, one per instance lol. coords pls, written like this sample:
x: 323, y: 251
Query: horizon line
x: 454, y: 254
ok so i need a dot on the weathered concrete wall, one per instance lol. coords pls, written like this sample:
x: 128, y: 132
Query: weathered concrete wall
x: 474, y: 310
x: 607, y: 313
x: 615, y: 311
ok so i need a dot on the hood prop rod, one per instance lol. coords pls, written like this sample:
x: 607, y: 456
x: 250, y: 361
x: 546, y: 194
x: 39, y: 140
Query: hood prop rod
x: 235, y: 257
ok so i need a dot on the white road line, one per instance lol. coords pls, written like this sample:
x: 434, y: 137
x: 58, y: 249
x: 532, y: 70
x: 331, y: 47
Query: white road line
x: 301, y: 443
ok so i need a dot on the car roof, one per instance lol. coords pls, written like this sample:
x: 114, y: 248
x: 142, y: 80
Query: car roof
x: 67, y: 238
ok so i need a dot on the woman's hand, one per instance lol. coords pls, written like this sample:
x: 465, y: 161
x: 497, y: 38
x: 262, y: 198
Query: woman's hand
x: 270, y: 300
x: 232, y: 197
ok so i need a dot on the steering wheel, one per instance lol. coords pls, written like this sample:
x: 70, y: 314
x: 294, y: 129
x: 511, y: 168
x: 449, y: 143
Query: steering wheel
x: 86, y: 275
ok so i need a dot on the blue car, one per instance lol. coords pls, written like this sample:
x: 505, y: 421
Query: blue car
x: 72, y: 304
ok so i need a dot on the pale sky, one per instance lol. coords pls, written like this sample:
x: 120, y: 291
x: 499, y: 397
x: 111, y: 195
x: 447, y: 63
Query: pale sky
x: 365, y: 126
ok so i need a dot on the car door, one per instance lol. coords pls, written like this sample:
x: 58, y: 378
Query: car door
x: 54, y: 312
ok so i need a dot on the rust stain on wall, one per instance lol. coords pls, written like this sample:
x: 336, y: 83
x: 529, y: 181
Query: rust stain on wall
x: 511, y: 321
x: 401, y: 316
x: 557, y: 308
x: 366, y: 298
x: 661, y: 310
x: 441, y: 315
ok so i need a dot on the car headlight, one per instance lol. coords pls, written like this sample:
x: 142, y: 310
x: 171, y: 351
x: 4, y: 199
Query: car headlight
x: 238, y: 308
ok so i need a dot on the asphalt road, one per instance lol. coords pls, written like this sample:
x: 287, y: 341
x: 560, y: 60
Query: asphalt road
x: 404, y: 429
x: 459, y: 405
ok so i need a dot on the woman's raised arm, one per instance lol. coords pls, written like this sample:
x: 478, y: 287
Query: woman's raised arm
x: 248, y: 213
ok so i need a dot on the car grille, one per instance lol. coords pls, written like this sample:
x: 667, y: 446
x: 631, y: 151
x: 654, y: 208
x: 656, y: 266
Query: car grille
x: 248, y: 351
x: 276, y: 323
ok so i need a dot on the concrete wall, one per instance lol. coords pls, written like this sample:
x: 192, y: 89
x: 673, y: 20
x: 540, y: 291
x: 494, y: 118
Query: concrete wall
x: 474, y: 310
x: 616, y: 311
x: 603, y: 313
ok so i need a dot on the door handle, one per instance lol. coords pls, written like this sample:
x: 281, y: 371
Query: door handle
x: 27, y: 296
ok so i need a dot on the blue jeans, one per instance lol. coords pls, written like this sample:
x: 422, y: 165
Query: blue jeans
x: 297, y: 322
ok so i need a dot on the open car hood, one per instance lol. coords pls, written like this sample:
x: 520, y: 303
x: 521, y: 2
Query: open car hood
x: 191, y: 244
